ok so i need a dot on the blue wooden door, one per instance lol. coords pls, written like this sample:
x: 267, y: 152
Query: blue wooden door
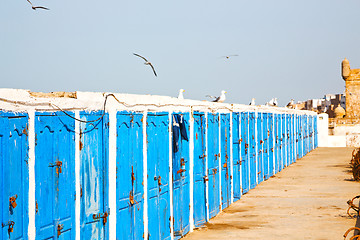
x: 253, y: 173
x: 129, y: 176
x: 266, y: 135
x: 181, y: 187
x: 260, y: 146
x: 94, y: 147
x: 316, y: 131
x: 225, y: 160
x: 283, y: 141
x: 287, y: 137
x: 14, y: 182
x: 213, y: 164
x: 54, y: 176
x: 299, y: 137
x: 293, y: 145
x: 271, y: 143
x: 236, y: 156
x: 200, y: 176
x: 245, y: 167
x: 311, y: 134
x: 158, y: 175
x: 277, y: 142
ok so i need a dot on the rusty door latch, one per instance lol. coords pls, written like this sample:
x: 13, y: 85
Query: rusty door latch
x: 202, y: 156
x: 59, y: 228
x: 206, y: 178
x: 158, y: 179
x: 58, y: 165
x: 181, y: 171
x: 104, y: 216
x: 10, y: 224
x: 217, y: 156
x: 12, y: 201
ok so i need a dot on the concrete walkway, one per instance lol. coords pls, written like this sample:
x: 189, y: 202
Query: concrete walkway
x: 306, y: 200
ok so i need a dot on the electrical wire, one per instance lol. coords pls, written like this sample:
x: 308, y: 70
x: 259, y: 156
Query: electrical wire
x: 213, y: 109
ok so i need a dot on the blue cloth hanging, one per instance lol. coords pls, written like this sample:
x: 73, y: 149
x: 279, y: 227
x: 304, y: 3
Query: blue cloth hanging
x: 179, y: 129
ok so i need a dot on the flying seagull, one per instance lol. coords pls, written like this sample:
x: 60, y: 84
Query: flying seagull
x: 146, y: 62
x: 228, y: 56
x: 36, y: 7
x: 220, y: 99
x: 181, y: 96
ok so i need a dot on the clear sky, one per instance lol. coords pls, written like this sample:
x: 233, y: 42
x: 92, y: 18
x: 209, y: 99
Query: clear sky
x: 287, y: 49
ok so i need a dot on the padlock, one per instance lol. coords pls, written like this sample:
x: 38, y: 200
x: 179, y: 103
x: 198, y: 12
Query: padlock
x: 13, y: 201
x: 11, y: 227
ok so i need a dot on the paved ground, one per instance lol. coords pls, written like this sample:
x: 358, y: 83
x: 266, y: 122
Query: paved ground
x: 306, y: 200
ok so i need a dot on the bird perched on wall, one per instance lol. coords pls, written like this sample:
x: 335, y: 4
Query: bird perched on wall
x: 181, y: 95
x: 36, y: 7
x: 252, y: 103
x: 272, y: 102
x: 146, y: 63
x: 220, y: 99
x: 290, y: 104
x: 228, y: 56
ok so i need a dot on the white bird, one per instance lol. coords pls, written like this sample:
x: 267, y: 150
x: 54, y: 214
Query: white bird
x: 181, y: 96
x: 220, y: 99
x: 252, y: 103
x: 290, y: 104
x: 146, y: 63
x: 273, y: 102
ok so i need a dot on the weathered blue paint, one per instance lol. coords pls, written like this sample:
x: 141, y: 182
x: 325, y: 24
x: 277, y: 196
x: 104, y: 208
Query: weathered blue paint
x: 265, y: 152
x: 225, y: 160
x: 93, y: 176
x: 316, y: 131
x: 213, y: 164
x: 311, y: 132
x: 245, y: 168
x: 200, y: 176
x: 54, y: 175
x: 299, y: 137
x: 158, y: 175
x: 129, y: 176
x: 236, y: 155
x: 287, y: 137
x: 252, y: 147
x: 181, y: 186
x: 260, y: 146
x: 14, y: 174
x: 283, y: 142
x: 277, y: 143
x: 271, y: 143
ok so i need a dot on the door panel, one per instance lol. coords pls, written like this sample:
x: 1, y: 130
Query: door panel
x: 54, y: 175
x: 200, y: 175
x: 236, y: 156
x: 245, y: 167
x: 253, y: 173
x: 93, y: 175
x: 158, y: 175
x: 181, y: 187
x: 14, y: 175
x: 225, y: 160
x: 129, y: 176
x: 213, y: 164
